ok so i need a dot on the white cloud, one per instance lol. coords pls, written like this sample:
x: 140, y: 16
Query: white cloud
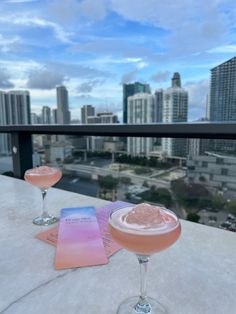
x: 88, y: 86
x: 27, y: 21
x: 160, y: 76
x: 142, y: 65
x: 9, y: 44
x: 190, y: 25
x: 129, y: 77
x: 223, y: 49
x: 18, y: 70
x: 71, y: 11
x: 131, y: 60
x: 5, y: 81
x: 45, y: 79
x: 197, y: 98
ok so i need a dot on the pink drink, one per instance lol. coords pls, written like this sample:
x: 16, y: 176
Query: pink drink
x: 43, y: 177
x: 144, y: 229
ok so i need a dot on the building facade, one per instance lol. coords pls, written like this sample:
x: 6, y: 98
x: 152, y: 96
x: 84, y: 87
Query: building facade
x: 103, y: 118
x: 87, y: 111
x: 216, y: 172
x: 15, y: 108
x: 223, y: 100
x: 141, y: 109
x: 175, y: 109
x: 46, y: 115
x: 63, y: 113
x: 130, y: 90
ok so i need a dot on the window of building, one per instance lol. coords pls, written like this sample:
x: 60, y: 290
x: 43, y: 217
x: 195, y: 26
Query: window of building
x: 204, y: 164
x: 219, y: 160
x: 224, y: 172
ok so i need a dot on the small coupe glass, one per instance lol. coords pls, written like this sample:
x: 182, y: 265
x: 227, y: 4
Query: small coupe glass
x: 143, y: 241
x: 43, y: 177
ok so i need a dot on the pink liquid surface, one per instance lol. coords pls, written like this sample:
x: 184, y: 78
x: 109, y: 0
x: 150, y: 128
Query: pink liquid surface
x: 43, y: 177
x: 145, y: 229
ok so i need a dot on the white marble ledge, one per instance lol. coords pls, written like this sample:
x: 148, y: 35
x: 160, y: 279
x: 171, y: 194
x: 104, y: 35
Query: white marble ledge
x: 195, y: 276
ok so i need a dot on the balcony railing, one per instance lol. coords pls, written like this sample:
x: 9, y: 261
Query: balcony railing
x: 22, y: 135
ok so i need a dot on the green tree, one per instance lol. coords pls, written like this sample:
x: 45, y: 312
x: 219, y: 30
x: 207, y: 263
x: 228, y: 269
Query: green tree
x: 160, y: 195
x: 108, y: 182
x: 218, y: 202
x: 193, y: 217
x: 231, y: 206
x: 125, y: 180
x: 189, y: 195
x: 142, y: 170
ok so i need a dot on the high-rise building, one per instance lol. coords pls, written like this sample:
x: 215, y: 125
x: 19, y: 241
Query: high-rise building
x: 96, y: 143
x: 223, y: 92
x: 102, y: 118
x: 14, y: 109
x: 18, y: 107
x: 159, y: 101
x: 223, y: 100
x: 4, y: 142
x: 54, y: 116
x: 63, y: 113
x: 208, y: 106
x: 175, y: 109
x: 35, y: 119
x: 46, y: 115
x: 141, y: 109
x: 130, y: 90
x: 87, y: 111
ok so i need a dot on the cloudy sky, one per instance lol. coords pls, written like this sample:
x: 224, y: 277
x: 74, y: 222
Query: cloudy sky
x: 93, y: 46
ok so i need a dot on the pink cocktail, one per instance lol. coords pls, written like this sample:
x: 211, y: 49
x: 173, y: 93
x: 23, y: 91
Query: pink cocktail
x: 43, y: 177
x: 144, y: 230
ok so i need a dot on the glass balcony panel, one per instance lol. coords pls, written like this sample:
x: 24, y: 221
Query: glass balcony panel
x: 196, y: 178
x: 6, y: 165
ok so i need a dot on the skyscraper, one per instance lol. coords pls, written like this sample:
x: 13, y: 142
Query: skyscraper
x: 63, y: 113
x: 46, y: 115
x: 223, y: 100
x: 130, y: 90
x: 141, y: 109
x: 18, y: 107
x: 54, y: 116
x: 159, y: 102
x: 223, y: 92
x: 175, y: 109
x: 87, y: 111
x: 14, y: 109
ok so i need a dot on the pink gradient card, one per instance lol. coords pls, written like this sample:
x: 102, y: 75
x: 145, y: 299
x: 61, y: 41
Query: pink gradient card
x: 111, y: 247
x: 79, y: 240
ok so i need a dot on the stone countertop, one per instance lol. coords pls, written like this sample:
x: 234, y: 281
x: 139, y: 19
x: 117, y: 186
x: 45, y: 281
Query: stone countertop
x: 197, y: 275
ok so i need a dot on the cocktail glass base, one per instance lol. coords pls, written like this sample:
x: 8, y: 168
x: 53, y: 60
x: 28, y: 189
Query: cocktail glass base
x: 45, y: 220
x: 133, y: 306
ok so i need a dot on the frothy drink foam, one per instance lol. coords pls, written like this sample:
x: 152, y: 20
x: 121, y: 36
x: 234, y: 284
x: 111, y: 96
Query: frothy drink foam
x: 144, y: 229
x: 145, y: 218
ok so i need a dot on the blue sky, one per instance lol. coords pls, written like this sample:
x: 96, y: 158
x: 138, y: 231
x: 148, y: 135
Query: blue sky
x: 92, y: 47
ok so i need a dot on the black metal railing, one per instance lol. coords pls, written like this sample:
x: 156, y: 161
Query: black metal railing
x: 22, y: 135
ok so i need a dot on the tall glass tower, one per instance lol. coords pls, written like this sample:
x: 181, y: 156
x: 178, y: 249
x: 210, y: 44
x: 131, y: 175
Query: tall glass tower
x: 63, y: 113
x: 130, y: 90
x: 223, y: 92
x: 223, y: 100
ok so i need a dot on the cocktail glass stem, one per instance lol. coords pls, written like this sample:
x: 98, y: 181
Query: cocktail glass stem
x: 143, y: 305
x: 45, y: 219
x: 45, y: 212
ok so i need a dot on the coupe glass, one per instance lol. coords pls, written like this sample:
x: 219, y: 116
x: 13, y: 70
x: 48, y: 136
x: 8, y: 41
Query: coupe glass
x: 43, y: 177
x: 143, y: 230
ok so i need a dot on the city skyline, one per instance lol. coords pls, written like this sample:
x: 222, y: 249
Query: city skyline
x: 94, y: 47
